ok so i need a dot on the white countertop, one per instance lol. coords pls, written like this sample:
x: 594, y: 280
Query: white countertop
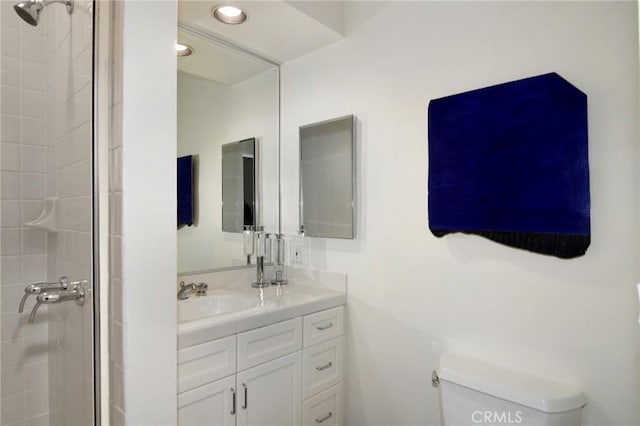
x: 266, y: 306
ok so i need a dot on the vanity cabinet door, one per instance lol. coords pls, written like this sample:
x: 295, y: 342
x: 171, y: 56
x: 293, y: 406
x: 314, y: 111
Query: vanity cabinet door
x: 210, y: 405
x: 271, y: 393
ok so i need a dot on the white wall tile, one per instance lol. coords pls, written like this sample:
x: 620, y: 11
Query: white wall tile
x: 115, y: 213
x: 116, y: 301
x: 12, y: 409
x: 10, y: 100
x: 33, y: 103
x: 10, y: 74
x: 33, y: 47
x: 34, y: 268
x: 16, y: 325
x: 34, y: 159
x: 9, y: 18
x: 11, y: 244
x: 34, y: 241
x: 10, y: 156
x: 10, y: 43
x: 81, y: 70
x: 42, y: 420
x: 11, y: 296
x: 31, y: 210
x: 33, y: 76
x: 36, y: 348
x: 36, y: 376
x: 115, y: 165
x: 10, y: 185
x: 11, y: 380
x: 10, y: 268
x: 117, y: 415
x: 34, y: 186
x: 10, y: 128
x: 38, y: 403
x: 115, y: 257
x: 33, y: 131
x: 11, y: 353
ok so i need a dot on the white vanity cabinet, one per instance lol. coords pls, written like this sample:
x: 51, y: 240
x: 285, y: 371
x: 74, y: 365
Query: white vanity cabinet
x: 284, y: 374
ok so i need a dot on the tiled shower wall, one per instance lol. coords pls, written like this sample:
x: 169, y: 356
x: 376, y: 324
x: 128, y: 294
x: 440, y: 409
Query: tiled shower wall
x: 46, y: 152
x: 23, y: 133
x: 116, y: 320
x: 69, y: 179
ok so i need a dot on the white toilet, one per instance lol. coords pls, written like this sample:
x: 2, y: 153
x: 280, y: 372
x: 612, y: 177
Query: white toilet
x: 477, y: 393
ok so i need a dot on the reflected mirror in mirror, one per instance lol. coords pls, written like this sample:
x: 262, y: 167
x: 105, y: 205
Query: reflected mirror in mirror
x: 224, y: 96
x: 327, y: 178
x: 238, y: 189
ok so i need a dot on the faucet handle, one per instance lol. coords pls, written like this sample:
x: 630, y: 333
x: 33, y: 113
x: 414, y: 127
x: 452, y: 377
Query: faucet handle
x: 185, y: 290
x: 41, y: 287
x: 201, y: 289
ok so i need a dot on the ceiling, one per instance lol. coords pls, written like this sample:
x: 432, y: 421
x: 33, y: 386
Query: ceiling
x: 277, y: 30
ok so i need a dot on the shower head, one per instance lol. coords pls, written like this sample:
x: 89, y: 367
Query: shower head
x: 29, y: 10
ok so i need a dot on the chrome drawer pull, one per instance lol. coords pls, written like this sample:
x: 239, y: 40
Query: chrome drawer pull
x: 244, y: 406
x: 325, y: 418
x: 324, y: 327
x: 233, y: 397
x: 324, y: 367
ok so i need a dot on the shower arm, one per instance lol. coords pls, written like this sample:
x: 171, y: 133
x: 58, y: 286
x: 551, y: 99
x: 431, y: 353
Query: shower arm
x: 67, y: 3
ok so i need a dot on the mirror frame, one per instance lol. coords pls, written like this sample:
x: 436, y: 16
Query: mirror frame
x: 302, y: 231
x: 220, y: 42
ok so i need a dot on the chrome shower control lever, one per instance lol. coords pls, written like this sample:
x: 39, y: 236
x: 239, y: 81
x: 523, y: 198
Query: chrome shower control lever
x: 76, y: 293
x: 37, y: 288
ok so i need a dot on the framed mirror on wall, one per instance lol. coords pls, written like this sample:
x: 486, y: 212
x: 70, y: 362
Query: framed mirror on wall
x: 239, y: 207
x: 228, y: 120
x: 328, y: 178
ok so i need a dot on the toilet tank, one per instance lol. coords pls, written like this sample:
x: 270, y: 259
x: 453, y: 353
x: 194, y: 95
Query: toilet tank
x: 477, y: 393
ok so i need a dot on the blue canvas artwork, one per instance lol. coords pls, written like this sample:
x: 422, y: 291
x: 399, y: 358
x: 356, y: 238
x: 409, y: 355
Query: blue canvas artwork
x: 510, y: 163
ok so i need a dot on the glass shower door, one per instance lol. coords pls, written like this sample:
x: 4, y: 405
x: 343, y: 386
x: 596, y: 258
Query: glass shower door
x: 46, y: 213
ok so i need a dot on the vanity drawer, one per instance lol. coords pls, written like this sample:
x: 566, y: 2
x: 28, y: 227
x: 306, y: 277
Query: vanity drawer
x: 270, y: 342
x: 324, y: 325
x: 322, y: 366
x: 326, y: 408
x: 206, y: 363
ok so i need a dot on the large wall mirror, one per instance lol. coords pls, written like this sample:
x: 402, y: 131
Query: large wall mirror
x: 228, y: 118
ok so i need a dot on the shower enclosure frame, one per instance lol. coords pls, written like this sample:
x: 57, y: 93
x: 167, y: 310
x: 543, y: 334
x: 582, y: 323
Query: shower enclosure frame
x: 106, y: 23
x: 103, y: 40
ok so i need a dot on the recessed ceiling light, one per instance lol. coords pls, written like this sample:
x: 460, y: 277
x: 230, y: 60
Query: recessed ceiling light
x: 183, y: 49
x: 229, y: 14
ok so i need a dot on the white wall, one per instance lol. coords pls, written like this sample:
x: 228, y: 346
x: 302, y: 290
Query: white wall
x: 412, y: 295
x: 211, y: 114
x: 148, y: 241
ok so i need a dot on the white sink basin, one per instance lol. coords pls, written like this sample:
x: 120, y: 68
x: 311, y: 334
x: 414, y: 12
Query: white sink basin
x: 214, y: 304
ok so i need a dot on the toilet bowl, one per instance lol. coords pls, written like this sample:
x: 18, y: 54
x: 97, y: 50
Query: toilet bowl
x: 477, y: 393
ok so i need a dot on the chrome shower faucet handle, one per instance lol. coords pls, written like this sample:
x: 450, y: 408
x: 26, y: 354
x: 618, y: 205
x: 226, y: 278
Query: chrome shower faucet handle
x: 41, y: 287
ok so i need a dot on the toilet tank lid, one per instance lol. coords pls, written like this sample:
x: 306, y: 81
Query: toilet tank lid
x: 534, y: 392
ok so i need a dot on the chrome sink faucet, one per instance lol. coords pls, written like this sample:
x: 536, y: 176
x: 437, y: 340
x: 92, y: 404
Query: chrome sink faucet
x: 185, y: 291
